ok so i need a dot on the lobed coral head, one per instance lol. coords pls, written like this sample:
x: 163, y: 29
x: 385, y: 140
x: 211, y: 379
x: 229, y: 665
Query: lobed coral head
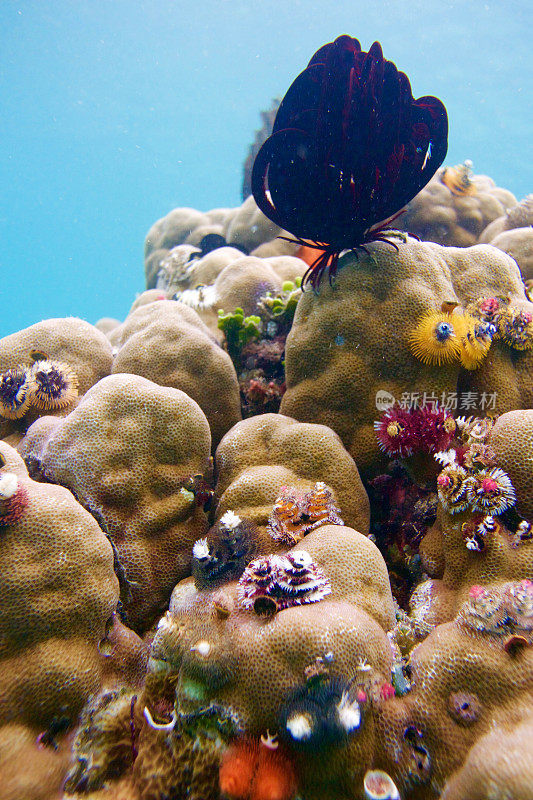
x: 54, y: 385
x: 276, y: 582
x: 15, y: 392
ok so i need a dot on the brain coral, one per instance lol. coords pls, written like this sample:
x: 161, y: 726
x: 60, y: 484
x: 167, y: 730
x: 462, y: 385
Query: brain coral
x: 262, y: 454
x: 58, y: 595
x: 125, y: 452
x: 455, y: 207
x: 166, y: 342
x: 349, y: 344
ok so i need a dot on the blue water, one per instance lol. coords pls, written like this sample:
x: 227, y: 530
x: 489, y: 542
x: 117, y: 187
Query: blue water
x: 113, y: 112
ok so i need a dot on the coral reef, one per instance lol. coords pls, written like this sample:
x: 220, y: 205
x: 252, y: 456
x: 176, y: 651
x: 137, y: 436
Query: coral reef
x: 60, y: 639
x: 244, y: 228
x: 43, y: 368
x: 315, y: 507
x: 465, y: 685
x: 455, y: 207
x: 479, y: 537
x: 126, y: 452
x: 349, y: 351
x: 261, y: 455
x: 513, y: 233
x: 167, y: 343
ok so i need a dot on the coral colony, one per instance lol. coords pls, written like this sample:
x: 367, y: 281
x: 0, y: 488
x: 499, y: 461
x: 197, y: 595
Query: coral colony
x: 227, y: 571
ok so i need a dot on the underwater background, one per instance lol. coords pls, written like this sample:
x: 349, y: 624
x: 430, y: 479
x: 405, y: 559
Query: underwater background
x: 113, y: 112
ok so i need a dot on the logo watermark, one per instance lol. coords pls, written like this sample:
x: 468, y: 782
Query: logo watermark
x: 448, y: 401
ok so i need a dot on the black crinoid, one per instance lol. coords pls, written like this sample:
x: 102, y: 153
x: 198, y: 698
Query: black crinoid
x: 349, y: 149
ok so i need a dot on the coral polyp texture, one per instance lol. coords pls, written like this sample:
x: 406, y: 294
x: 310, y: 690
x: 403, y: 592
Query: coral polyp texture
x: 45, y: 367
x: 351, y: 345
x: 268, y: 541
x: 482, y: 534
x: 167, y: 343
x: 455, y: 207
x: 245, y: 228
x: 260, y: 684
x: 127, y: 452
x: 260, y: 457
x: 465, y: 685
x: 58, y: 599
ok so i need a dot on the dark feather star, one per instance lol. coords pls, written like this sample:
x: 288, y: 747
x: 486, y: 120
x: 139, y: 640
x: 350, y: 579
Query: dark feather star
x: 350, y: 147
